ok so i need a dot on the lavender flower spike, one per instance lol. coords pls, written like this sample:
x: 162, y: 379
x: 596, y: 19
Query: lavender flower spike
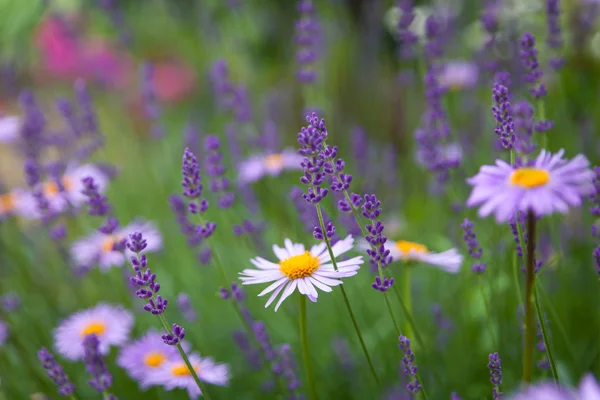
x: 475, y: 250
x: 505, y: 126
x: 56, y: 373
x: 495, y: 366
x: 410, y: 370
x: 101, y: 378
x: 307, y: 38
x: 144, y: 278
x: 216, y: 169
x: 529, y: 58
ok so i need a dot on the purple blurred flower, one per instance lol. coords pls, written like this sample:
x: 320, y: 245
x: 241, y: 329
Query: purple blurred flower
x: 529, y: 58
x: 307, y: 37
x: 151, y: 106
x: 215, y: 168
x: 185, y: 306
x: 554, y: 38
x: 407, y: 38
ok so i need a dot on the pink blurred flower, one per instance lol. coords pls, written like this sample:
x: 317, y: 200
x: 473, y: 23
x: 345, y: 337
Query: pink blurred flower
x: 173, y: 81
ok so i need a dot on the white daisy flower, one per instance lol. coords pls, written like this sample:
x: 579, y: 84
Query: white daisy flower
x: 99, y: 247
x: 10, y: 128
x: 110, y: 323
x: 302, y: 269
x: 72, y: 194
x: 174, y: 373
x: 256, y: 167
x: 401, y: 250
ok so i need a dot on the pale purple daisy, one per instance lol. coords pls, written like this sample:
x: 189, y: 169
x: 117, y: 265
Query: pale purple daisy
x: 402, y: 250
x: 588, y: 390
x: 302, y: 269
x: 3, y: 332
x: 102, y: 248
x: 458, y: 75
x: 70, y: 194
x: 11, y: 203
x: 550, y: 184
x: 258, y: 166
x: 111, y: 324
x: 174, y: 373
x: 10, y: 128
x: 147, y: 353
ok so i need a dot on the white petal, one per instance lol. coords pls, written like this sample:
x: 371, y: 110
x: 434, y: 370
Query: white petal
x: 274, y: 295
x: 286, y: 293
x: 280, y: 253
x: 273, y: 286
x: 320, y: 285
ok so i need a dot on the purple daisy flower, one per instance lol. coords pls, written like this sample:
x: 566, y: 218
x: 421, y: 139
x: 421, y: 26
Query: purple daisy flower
x: 174, y: 374
x: 111, y: 324
x: 588, y: 390
x: 550, y: 184
x: 68, y: 191
x: 144, y: 355
x: 258, y: 166
x: 104, y: 248
x: 458, y: 75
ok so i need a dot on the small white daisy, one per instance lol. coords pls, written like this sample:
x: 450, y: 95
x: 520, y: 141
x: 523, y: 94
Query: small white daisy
x: 256, y: 167
x: 99, y: 247
x: 72, y: 194
x: 402, y: 250
x: 174, y: 373
x: 302, y: 269
x: 111, y: 324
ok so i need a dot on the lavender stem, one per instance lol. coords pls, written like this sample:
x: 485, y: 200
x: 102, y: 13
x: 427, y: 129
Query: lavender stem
x: 346, y: 301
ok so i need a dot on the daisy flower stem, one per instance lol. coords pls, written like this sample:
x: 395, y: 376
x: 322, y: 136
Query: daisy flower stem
x: 185, y: 358
x: 305, y: 352
x: 547, y: 343
x: 529, y: 289
x: 346, y: 301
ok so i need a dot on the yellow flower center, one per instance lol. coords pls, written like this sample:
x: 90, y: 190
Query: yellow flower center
x: 529, y: 177
x: 154, y: 359
x: 94, y: 328
x: 408, y: 247
x: 274, y: 161
x: 51, y: 189
x: 300, y: 266
x: 7, y: 202
x: 183, y: 370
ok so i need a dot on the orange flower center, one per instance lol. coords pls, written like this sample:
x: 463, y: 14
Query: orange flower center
x: 274, y: 161
x: 7, y: 202
x: 94, y: 328
x: 529, y: 177
x: 109, y: 243
x: 299, y: 266
x: 183, y: 370
x: 410, y: 247
x: 154, y: 359
x: 51, y: 188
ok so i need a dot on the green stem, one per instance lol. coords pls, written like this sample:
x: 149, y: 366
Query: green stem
x: 200, y: 384
x: 487, y: 312
x: 72, y: 397
x: 516, y: 277
x: 305, y: 353
x: 408, y: 316
x: 407, y: 298
x: 529, y: 289
x: 542, y: 117
x: 389, y: 307
x: 556, y: 319
x: 547, y: 343
x: 346, y: 301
